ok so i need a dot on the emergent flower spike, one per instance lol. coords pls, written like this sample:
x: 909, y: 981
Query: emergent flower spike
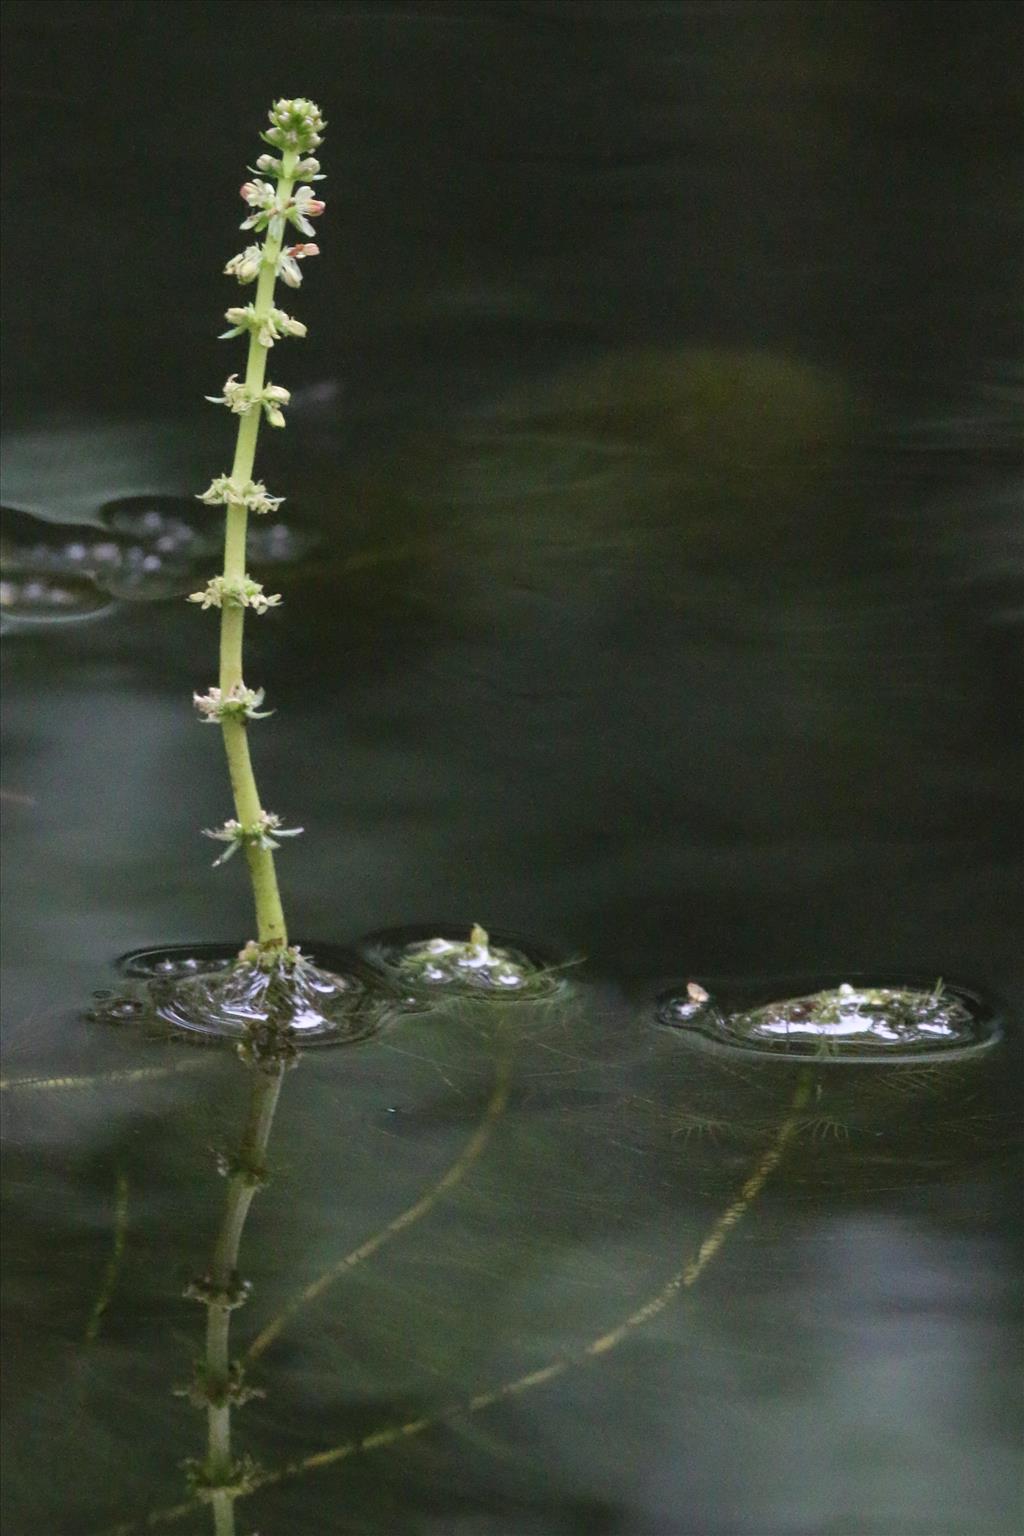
x: 278, y: 194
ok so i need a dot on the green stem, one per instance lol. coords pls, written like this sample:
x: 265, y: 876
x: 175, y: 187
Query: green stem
x: 266, y: 1089
x: 271, y: 929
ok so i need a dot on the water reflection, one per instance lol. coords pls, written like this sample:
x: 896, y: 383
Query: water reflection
x: 39, y: 598
x: 146, y: 549
x: 521, y: 1243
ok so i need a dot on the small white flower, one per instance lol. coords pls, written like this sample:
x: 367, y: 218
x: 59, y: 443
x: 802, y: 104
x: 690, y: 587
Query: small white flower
x: 286, y: 325
x: 258, y: 194
x: 303, y: 170
x: 246, y: 265
x: 258, y: 500
x: 272, y: 397
x: 288, y: 261
x: 266, y: 328
x: 268, y: 823
x: 253, y: 494
x: 222, y: 592
x: 235, y: 396
x: 258, y: 600
x: 261, y: 833
x: 262, y: 199
x: 241, y: 399
x: 232, y: 833
x: 239, y: 703
x: 242, y: 317
x: 220, y: 490
x: 302, y: 206
x: 277, y: 325
x: 211, y: 596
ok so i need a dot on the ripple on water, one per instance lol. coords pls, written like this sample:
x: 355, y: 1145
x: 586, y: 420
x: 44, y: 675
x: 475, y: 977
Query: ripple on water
x: 208, y: 992
x: 869, y: 1020
x: 426, y: 962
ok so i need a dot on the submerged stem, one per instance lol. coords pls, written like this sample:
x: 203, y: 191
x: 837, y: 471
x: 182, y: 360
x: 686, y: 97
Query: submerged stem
x: 223, y: 1280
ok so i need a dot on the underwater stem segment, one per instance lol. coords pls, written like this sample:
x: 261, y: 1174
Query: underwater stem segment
x: 219, y: 1382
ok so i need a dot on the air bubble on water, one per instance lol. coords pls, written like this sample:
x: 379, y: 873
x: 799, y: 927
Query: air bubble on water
x: 850, y: 1022
x: 208, y: 991
x: 683, y: 1010
x: 177, y: 960
x: 459, y: 961
x: 116, y: 1010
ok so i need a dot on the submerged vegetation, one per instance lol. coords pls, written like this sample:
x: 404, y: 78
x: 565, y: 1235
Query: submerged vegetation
x: 859, y: 1023
x: 428, y: 965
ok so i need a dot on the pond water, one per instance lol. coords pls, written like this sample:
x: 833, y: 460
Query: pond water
x: 652, y: 597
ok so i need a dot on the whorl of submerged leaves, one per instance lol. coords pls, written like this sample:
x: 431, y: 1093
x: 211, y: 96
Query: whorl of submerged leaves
x: 862, y: 1023
x: 449, y: 965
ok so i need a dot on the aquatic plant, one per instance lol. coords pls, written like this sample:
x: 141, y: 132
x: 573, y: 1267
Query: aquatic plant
x: 861, y: 1023
x: 283, y: 202
x: 431, y: 965
x: 266, y: 989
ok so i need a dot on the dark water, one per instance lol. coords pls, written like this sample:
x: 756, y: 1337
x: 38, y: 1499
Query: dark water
x: 653, y: 589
